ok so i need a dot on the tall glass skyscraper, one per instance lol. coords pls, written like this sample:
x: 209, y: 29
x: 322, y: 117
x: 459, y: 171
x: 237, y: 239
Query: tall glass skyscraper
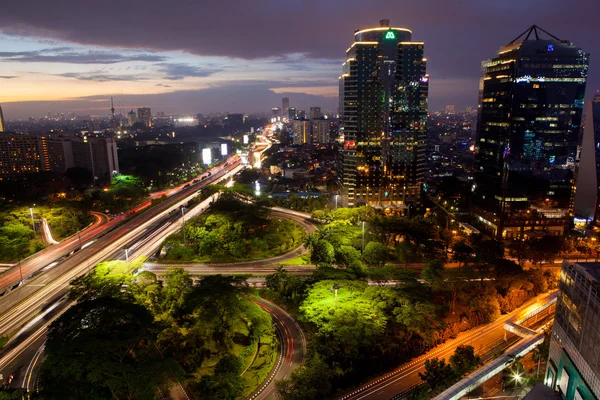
x: 530, y: 106
x: 383, y: 106
x: 2, y: 127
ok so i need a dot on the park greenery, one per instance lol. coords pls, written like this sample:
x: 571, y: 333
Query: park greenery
x: 359, y: 326
x: 130, y: 335
x: 233, y: 230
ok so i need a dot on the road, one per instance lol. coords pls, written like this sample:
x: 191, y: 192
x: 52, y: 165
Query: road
x: 28, y: 300
x: 291, y: 352
x: 407, y: 376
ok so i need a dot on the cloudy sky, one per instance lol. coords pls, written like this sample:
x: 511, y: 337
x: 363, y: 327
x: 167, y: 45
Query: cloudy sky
x: 187, y: 56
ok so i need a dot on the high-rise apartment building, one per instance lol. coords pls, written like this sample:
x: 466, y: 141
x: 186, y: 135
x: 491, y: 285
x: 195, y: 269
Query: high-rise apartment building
x: 25, y: 154
x: 292, y: 113
x: 450, y: 109
x: 145, y: 116
x: 301, y: 130
x: 131, y: 118
x: 383, y: 96
x: 285, y: 108
x: 574, y: 357
x: 315, y: 113
x: 530, y: 106
x: 320, y: 130
x: 2, y: 126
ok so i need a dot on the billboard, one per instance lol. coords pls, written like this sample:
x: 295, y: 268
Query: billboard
x: 223, y: 149
x: 206, y: 156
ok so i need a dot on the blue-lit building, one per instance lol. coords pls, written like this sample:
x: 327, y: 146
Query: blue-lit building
x: 530, y: 109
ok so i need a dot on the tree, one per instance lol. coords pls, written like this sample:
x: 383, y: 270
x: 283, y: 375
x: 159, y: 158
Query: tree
x: 79, y: 176
x: 178, y: 285
x: 462, y: 253
x: 464, y: 360
x: 375, y: 254
x: 103, y: 348
x: 311, y: 381
x: 322, y: 252
x: 225, y: 384
x: 348, y: 256
x: 437, y: 373
x: 406, y: 253
x: 433, y: 272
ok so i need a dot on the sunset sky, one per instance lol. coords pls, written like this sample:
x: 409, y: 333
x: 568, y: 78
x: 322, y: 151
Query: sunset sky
x: 185, y: 56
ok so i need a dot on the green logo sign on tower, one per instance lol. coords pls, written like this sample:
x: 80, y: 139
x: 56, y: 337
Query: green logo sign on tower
x: 390, y: 35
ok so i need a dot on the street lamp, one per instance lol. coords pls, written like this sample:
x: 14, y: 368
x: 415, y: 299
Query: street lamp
x: 32, y: 223
x: 336, y: 201
x: 335, y: 288
x: 183, y: 222
x: 517, y: 378
x: 126, y: 254
x: 363, y: 237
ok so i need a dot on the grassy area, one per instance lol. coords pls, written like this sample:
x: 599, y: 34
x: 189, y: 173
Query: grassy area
x: 233, y: 231
x: 262, y: 365
x: 301, y: 260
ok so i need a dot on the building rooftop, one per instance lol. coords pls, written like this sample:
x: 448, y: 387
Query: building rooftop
x: 541, y: 392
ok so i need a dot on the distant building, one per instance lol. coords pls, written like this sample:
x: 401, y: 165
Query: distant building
x: 530, y: 107
x: 285, y: 107
x: 574, y: 357
x: 234, y: 119
x: 315, y: 112
x: 292, y: 114
x: 145, y: 116
x: 383, y: 94
x: 450, y: 109
x: 276, y: 113
x: 320, y: 130
x: 2, y: 126
x: 301, y: 130
x: 131, y: 118
x: 25, y: 154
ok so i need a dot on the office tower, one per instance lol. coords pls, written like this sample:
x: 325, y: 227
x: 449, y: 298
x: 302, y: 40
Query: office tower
x: 301, y: 131
x: 383, y: 91
x: 292, y: 113
x: 587, y: 205
x: 450, y: 108
x: 320, y: 129
x: 574, y: 357
x: 145, y: 116
x: 131, y: 118
x: 2, y: 126
x: 530, y: 106
x: 315, y: 112
x: 285, y: 108
x: 275, y: 114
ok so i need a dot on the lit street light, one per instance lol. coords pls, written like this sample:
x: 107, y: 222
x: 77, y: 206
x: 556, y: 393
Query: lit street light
x: 335, y: 288
x: 32, y: 223
x: 363, y: 237
x: 336, y: 201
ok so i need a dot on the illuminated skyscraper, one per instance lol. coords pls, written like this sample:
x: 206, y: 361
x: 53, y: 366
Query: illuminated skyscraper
x: 531, y: 101
x: 131, y: 118
x: 1, y: 120
x: 383, y: 106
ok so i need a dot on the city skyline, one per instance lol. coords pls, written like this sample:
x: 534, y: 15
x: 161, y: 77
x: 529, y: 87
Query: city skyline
x: 52, y: 58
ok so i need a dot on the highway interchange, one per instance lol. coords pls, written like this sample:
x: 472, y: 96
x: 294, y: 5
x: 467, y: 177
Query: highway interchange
x: 27, y: 309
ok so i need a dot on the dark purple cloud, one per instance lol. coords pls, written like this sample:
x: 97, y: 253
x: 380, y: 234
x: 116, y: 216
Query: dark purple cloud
x: 177, y: 71
x: 69, y: 56
x: 101, y: 77
x: 458, y: 34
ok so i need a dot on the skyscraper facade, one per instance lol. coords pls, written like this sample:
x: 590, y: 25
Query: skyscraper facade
x: 320, y: 130
x: 301, y: 131
x: 2, y: 126
x: 131, y: 118
x: 383, y: 107
x: 145, y: 116
x: 285, y: 108
x: 530, y: 107
x: 574, y: 356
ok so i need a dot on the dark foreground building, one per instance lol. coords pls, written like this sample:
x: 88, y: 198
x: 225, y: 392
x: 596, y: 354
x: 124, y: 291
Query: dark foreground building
x: 574, y: 359
x: 383, y: 106
x: 530, y: 107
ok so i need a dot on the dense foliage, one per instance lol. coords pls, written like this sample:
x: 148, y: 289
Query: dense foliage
x: 131, y: 335
x: 234, y: 230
